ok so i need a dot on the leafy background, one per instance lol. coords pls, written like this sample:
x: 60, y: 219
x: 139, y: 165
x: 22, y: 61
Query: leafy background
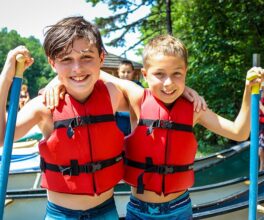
x: 221, y: 36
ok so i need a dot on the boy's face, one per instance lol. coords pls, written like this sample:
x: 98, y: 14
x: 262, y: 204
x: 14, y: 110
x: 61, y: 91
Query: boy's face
x: 125, y: 71
x: 78, y: 70
x: 166, y: 77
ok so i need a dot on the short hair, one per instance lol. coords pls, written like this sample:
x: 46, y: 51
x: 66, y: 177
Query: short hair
x: 166, y: 45
x: 60, y: 36
x: 126, y: 62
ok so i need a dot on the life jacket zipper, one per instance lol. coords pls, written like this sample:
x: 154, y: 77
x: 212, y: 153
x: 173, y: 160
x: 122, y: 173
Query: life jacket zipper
x: 91, y: 153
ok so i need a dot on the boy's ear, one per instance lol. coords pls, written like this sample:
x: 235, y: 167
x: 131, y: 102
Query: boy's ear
x: 52, y: 64
x: 102, y: 57
x: 144, y: 72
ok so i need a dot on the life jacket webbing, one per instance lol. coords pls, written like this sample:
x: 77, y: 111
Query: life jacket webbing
x: 165, y: 124
x: 149, y: 167
x: 83, y: 120
x: 75, y: 169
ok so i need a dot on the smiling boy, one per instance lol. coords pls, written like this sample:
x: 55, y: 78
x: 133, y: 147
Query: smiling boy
x: 160, y: 152
x: 75, y: 160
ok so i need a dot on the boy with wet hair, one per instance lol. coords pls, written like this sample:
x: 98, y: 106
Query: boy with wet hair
x: 75, y: 159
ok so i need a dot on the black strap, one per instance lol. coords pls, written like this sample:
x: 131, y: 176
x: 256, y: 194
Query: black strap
x: 81, y: 120
x: 149, y: 167
x: 75, y: 169
x: 165, y: 124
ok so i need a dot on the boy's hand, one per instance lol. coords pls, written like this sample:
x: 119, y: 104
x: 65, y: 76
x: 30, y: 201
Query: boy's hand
x: 198, y: 101
x: 51, y: 96
x: 10, y: 64
x: 255, y: 76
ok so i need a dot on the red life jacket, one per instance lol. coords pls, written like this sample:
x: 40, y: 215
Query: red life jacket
x: 83, y: 155
x: 160, y: 153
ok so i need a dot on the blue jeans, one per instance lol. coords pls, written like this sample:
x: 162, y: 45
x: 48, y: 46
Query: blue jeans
x: 177, y: 209
x: 105, y: 211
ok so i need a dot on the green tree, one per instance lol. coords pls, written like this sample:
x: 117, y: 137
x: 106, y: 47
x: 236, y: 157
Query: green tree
x: 221, y: 37
x: 40, y: 73
x: 123, y: 10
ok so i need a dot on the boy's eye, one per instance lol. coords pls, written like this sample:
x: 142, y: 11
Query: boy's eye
x: 86, y: 57
x: 64, y: 60
x: 177, y: 74
x: 158, y: 74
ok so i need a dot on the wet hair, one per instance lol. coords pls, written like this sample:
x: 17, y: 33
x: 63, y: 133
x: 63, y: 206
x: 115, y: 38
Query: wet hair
x: 126, y: 62
x: 166, y: 45
x: 60, y: 36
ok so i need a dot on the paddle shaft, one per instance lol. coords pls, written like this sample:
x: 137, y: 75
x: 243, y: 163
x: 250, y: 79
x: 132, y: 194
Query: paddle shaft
x: 9, y: 133
x: 254, y: 142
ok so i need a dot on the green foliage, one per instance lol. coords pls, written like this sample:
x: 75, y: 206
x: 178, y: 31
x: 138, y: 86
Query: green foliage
x: 118, y: 22
x: 220, y: 35
x: 40, y: 73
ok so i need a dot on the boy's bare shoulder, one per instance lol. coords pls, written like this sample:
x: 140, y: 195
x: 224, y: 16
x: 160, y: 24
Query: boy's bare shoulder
x: 116, y: 96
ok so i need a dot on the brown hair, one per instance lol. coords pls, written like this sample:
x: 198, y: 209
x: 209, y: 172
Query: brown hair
x: 60, y: 37
x: 166, y: 45
x: 126, y: 62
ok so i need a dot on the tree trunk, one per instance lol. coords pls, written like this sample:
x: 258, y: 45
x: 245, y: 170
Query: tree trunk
x: 168, y: 16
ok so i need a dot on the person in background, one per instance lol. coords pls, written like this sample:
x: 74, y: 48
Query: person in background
x: 24, y: 96
x: 125, y: 71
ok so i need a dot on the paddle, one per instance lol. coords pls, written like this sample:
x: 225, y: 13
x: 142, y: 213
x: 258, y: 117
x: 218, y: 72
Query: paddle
x: 10, y: 130
x: 254, y: 144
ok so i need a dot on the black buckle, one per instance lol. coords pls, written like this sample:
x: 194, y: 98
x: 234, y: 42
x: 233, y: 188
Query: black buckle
x: 92, y: 167
x: 168, y: 124
x: 72, y: 170
x: 164, y: 169
x: 190, y: 167
x: 77, y: 121
x: 65, y: 170
x: 164, y: 124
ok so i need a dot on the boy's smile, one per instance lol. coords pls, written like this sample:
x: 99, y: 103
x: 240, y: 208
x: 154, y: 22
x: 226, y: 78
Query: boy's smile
x: 78, y: 69
x: 166, y: 77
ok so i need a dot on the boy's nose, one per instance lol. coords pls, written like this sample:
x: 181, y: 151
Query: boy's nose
x: 76, y: 67
x: 167, y: 81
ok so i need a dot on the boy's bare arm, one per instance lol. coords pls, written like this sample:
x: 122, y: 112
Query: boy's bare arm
x: 132, y: 92
x: 239, y: 128
x: 25, y: 121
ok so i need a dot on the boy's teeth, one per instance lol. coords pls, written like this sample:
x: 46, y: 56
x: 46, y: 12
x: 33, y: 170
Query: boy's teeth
x: 168, y: 92
x: 78, y: 78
